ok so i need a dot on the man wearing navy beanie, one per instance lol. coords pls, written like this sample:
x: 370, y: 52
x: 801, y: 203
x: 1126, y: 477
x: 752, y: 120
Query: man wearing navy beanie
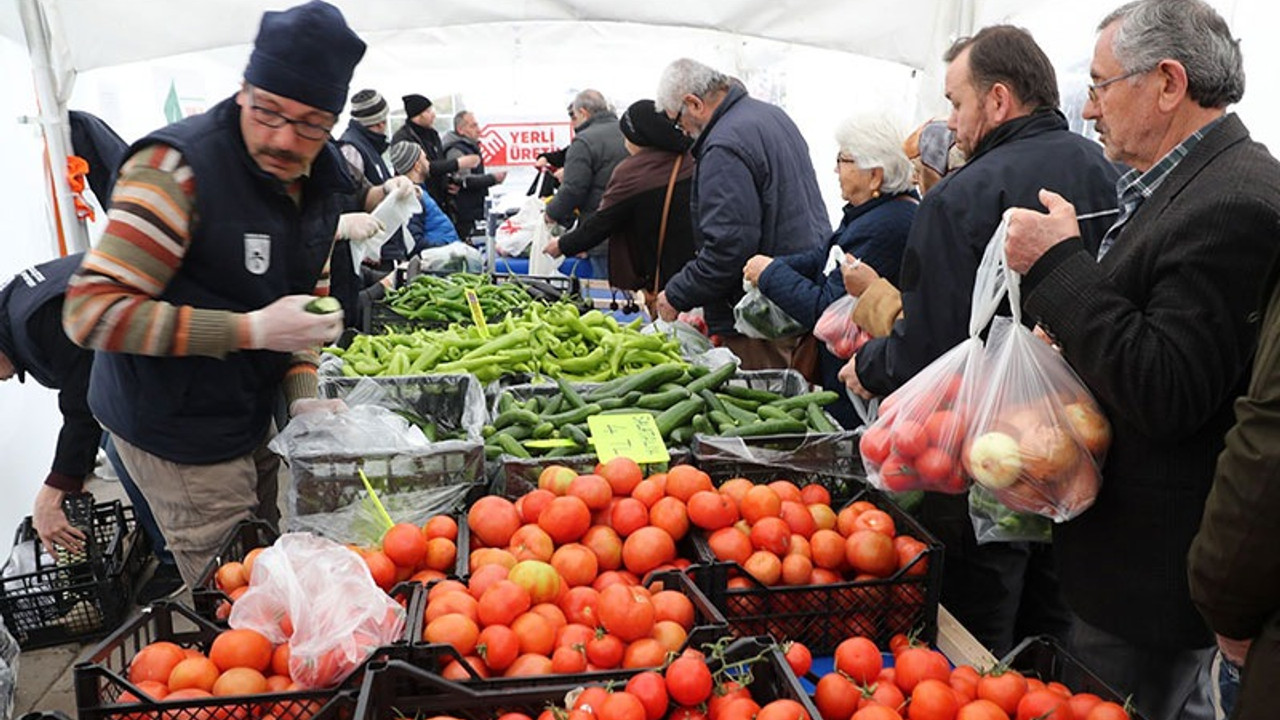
x: 220, y: 232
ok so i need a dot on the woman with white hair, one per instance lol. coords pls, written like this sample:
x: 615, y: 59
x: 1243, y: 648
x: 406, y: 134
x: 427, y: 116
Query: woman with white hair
x: 875, y: 181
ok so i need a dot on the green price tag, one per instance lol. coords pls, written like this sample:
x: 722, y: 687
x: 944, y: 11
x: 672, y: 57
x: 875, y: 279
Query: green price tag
x: 549, y: 443
x: 633, y: 435
x: 477, y: 315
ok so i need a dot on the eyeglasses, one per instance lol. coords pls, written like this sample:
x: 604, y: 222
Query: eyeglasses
x: 840, y: 159
x: 274, y: 119
x: 1094, y: 88
x: 679, y: 114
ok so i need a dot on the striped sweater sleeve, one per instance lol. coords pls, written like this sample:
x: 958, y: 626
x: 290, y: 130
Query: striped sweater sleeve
x: 111, y: 301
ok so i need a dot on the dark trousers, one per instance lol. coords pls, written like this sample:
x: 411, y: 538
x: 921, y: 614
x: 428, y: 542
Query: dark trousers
x: 1000, y: 592
x: 1165, y: 684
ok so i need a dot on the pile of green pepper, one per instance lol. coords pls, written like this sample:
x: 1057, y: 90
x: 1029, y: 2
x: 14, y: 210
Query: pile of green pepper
x: 555, y: 341
x: 441, y: 299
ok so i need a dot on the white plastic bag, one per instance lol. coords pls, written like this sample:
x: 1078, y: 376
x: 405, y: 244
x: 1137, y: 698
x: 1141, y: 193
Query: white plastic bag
x: 514, y: 236
x: 454, y: 256
x: 394, y: 211
x: 837, y: 330
x: 540, y: 263
x: 918, y: 439
x: 1037, y: 437
x: 325, y: 591
x: 756, y: 316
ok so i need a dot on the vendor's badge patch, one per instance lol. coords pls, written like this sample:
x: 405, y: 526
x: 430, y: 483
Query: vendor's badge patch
x: 257, y: 253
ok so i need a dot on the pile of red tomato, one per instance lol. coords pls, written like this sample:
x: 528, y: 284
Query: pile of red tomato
x: 921, y: 685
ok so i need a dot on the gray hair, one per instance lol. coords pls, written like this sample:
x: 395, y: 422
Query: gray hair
x: 459, y: 117
x: 590, y: 100
x: 1189, y: 31
x: 875, y: 141
x: 687, y: 77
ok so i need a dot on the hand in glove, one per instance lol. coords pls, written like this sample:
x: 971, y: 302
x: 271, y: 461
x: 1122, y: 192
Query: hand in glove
x: 400, y: 187
x: 286, y: 326
x: 50, y: 522
x: 359, y: 227
x: 302, y: 406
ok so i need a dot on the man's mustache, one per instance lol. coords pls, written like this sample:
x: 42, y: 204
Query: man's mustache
x: 280, y: 154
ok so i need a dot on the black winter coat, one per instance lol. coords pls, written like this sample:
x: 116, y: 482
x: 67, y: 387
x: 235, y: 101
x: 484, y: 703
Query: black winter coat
x: 439, y: 169
x: 955, y: 222
x: 1163, y: 332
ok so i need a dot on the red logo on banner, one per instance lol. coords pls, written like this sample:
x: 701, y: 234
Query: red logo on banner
x: 508, y: 144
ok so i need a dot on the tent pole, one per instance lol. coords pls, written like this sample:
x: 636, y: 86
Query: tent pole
x: 54, y: 124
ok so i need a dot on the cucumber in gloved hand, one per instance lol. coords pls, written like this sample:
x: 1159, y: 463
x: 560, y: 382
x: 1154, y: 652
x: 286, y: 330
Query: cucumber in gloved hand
x: 324, y: 305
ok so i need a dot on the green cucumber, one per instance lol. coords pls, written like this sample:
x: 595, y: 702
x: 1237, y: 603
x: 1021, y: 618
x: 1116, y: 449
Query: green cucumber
x: 768, y: 427
x: 651, y: 378
x: 323, y: 305
x: 678, y: 415
x: 702, y: 425
x: 511, y: 446
x: 821, y: 398
x: 516, y: 416
x: 818, y: 421
x: 714, y: 379
x: 663, y: 400
x: 769, y: 412
x: 576, y: 415
x: 740, y: 415
x: 746, y: 393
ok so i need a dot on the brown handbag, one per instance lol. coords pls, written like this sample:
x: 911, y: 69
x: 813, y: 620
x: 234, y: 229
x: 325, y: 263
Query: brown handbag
x: 651, y: 298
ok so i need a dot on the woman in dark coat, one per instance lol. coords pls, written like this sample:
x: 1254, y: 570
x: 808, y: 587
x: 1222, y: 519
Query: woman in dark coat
x: 875, y: 181
x: 631, y: 212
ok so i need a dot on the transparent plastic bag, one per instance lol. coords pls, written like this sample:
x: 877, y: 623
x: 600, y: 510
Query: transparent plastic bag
x: 692, y: 341
x: 1037, y: 439
x: 325, y: 591
x: 838, y: 331
x: 360, y: 429
x: 451, y: 257
x: 756, y: 316
x: 9, y: 654
x: 917, y: 440
x: 993, y: 522
x: 514, y: 236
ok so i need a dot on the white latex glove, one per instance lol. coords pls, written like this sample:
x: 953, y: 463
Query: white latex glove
x: 466, y: 162
x: 302, y: 406
x: 358, y: 227
x: 400, y: 187
x: 286, y: 326
x: 50, y: 522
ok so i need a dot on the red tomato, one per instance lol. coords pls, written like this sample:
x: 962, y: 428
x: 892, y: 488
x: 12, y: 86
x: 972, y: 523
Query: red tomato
x: 897, y: 474
x: 688, y: 681
x: 946, y: 429
x: 876, y: 712
x: 859, y: 658
x: 565, y: 519
x: 981, y: 710
x: 493, y: 520
x: 875, y: 444
x: 935, y: 466
x: 1003, y: 688
x: 651, y: 689
x: 498, y: 646
x: 885, y: 693
x: 1106, y: 710
x: 783, y: 710
x: 916, y: 664
x: 836, y: 697
x: 877, y: 520
x: 1044, y: 705
x: 1082, y: 703
x: 872, y: 553
x: 909, y: 438
x: 627, y: 612
x: 798, y: 657
x: 605, y: 651
x: 621, y: 706
x: 712, y: 510
x: 932, y: 700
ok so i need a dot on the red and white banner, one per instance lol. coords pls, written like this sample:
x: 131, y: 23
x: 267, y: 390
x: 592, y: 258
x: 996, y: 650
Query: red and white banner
x: 512, y: 144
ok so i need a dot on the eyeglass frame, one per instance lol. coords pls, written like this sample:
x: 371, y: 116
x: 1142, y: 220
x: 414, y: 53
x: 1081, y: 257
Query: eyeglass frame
x: 679, y: 114
x: 841, y: 160
x: 300, y: 127
x: 1095, y: 87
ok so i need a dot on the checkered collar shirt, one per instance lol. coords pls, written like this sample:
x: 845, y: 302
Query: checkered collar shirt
x: 1134, y: 187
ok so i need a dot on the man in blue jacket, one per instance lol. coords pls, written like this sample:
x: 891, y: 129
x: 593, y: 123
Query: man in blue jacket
x: 1004, y: 97
x: 754, y: 193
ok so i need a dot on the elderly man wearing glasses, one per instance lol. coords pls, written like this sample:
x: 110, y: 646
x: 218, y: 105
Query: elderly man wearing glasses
x: 195, y: 298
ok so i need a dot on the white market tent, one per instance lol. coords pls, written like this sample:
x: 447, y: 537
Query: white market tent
x: 506, y: 60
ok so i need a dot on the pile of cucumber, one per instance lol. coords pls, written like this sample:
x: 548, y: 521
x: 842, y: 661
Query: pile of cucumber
x: 684, y: 400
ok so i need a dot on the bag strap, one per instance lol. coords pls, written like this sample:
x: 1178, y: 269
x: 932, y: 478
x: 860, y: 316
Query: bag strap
x: 662, y: 229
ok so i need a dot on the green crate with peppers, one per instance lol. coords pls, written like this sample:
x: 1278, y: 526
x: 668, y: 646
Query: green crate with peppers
x: 686, y: 401
x: 439, y: 300
x: 558, y: 340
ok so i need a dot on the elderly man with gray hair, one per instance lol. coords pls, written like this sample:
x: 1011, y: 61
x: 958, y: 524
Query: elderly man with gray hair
x: 596, y: 150
x: 754, y: 193
x: 1161, y: 323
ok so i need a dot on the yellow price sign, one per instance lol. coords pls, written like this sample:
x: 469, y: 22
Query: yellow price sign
x: 633, y: 435
x: 477, y: 315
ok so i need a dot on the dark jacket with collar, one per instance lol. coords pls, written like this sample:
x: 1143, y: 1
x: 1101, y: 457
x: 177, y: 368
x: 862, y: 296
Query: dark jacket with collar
x: 875, y: 232
x: 589, y: 161
x: 630, y: 215
x: 439, y: 169
x: 1163, y: 332
x: 370, y: 145
x: 754, y: 193
x: 473, y: 184
x: 955, y: 222
x: 1234, y: 563
x: 251, y: 244
x: 32, y: 337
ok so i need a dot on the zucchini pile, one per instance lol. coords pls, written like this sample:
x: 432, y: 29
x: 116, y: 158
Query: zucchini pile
x: 684, y: 400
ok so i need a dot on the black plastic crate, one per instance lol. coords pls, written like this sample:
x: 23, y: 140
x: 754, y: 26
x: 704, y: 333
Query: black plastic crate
x: 206, y: 596
x: 103, y: 677
x: 1043, y: 657
x: 832, y: 454
x: 709, y: 626
x: 86, y: 595
x: 548, y: 288
x: 822, y: 616
x: 455, y: 403
x: 399, y: 689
